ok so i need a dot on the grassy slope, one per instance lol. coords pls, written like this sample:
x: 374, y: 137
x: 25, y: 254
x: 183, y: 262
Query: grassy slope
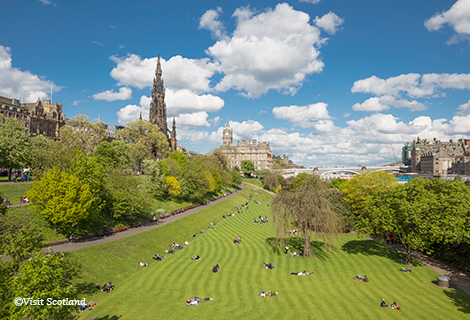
x: 330, y: 293
x: 13, y: 191
x: 256, y: 182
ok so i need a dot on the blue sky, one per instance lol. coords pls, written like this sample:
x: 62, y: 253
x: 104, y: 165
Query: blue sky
x: 329, y: 82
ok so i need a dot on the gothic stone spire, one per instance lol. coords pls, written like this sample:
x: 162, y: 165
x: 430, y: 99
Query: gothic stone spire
x: 157, y: 104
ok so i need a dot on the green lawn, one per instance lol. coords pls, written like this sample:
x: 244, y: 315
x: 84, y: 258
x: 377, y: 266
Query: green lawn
x: 13, y: 191
x: 256, y: 182
x: 160, y: 291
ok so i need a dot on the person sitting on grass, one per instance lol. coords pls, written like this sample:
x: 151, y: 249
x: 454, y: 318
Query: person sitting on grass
x: 186, y: 243
x: 383, y: 304
x: 403, y: 269
x: 303, y: 274
x: 202, y: 231
x: 254, y: 220
x: 216, y: 268
x: 143, y: 264
x: 393, y: 305
x: 6, y: 201
x: 236, y: 241
x: 272, y: 294
x: 268, y: 265
x: 196, y: 257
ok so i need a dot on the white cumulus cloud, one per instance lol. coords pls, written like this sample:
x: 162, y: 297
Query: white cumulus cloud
x: 124, y: 93
x: 458, y: 17
x: 329, y: 22
x: 464, y: 109
x: 311, y: 116
x: 195, y: 119
x: 131, y: 112
x: 210, y: 21
x: 389, y: 92
x: 23, y: 85
x: 275, y: 49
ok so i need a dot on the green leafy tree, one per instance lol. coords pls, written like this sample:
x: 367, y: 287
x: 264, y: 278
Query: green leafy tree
x: 40, y: 277
x: 180, y: 158
x: 219, y: 156
x: 359, y: 190
x: 122, y: 152
x: 270, y: 182
x: 3, y: 205
x: 236, y: 178
x: 192, y: 184
x: 61, y: 198
x: 146, y: 141
x: 124, y: 194
x: 227, y: 179
x: 14, y: 145
x: 336, y: 183
x: 247, y: 167
x: 298, y: 180
x: 418, y: 213
x: 106, y: 155
x: 341, y: 208
x: 155, y: 179
x: 81, y: 134
x: 262, y: 173
x: 307, y: 209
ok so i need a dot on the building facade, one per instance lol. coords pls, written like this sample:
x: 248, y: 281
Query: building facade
x: 439, y: 158
x: 38, y: 118
x: 257, y: 152
x: 157, y: 114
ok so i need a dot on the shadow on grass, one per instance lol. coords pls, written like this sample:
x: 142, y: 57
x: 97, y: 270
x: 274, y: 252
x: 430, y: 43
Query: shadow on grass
x: 297, y: 244
x: 371, y: 248
x: 87, y: 288
x: 107, y: 318
x: 459, y: 299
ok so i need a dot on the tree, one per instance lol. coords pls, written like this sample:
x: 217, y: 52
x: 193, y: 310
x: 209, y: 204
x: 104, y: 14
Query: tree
x: 106, y: 155
x: 219, y: 157
x: 122, y: 153
x: 270, y: 182
x: 81, y: 134
x: 3, y: 205
x: 173, y: 186
x: 14, y: 145
x: 45, y: 276
x: 298, y: 180
x: 155, y: 178
x: 192, y: 184
x: 236, y: 178
x: 146, y: 141
x: 61, y: 198
x: 247, y: 167
x: 262, y: 173
x: 180, y: 158
x: 359, y: 190
x: 306, y: 209
x: 336, y: 183
x: 418, y: 213
x: 124, y: 194
x: 341, y: 208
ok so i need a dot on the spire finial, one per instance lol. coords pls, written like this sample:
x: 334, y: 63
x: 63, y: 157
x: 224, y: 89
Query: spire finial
x: 140, y: 116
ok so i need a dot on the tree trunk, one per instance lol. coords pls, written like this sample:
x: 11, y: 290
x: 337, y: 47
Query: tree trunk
x: 55, y: 228
x: 9, y: 174
x: 408, y: 255
x: 307, y: 252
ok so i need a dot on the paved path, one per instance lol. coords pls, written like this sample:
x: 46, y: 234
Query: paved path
x: 131, y: 231
x: 458, y: 279
x: 254, y: 185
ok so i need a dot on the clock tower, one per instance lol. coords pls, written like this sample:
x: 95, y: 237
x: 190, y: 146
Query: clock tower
x: 227, y: 135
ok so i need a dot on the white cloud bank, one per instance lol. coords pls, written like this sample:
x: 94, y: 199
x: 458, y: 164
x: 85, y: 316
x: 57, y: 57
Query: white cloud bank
x: 329, y: 22
x: 23, y: 85
x: 389, y: 91
x: 275, y: 49
x: 311, y: 116
x: 458, y: 17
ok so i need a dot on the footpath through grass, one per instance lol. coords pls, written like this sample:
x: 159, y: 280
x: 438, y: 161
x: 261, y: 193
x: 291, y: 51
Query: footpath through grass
x: 160, y: 291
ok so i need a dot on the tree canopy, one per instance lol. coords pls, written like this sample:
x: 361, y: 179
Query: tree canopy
x: 359, y: 190
x: 247, y: 167
x: 419, y: 213
x: 307, y: 209
x: 14, y: 145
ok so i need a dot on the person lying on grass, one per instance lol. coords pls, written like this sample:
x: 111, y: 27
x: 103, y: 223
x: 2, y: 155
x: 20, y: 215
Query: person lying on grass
x: 196, y: 300
x: 403, y: 269
x: 272, y: 294
x: 209, y: 227
x: 170, y: 251
x: 192, y: 235
x: 216, y: 268
x: 236, y: 241
x: 303, y: 274
x: 143, y: 264
x: 158, y: 257
x: 196, y: 257
x: 268, y: 265
x: 365, y: 279
x: 176, y: 246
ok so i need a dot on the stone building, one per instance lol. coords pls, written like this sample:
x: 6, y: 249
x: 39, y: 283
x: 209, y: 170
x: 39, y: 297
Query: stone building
x: 39, y: 118
x: 285, y: 160
x: 257, y: 152
x: 157, y: 114
x: 440, y: 158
